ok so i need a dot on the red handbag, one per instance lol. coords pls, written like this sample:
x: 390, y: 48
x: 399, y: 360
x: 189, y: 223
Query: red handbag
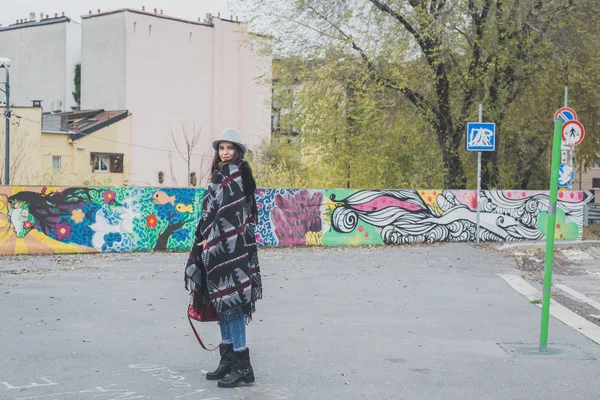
x: 202, y: 314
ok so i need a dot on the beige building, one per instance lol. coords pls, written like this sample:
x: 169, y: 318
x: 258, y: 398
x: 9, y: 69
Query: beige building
x: 81, y: 148
x: 589, y: 180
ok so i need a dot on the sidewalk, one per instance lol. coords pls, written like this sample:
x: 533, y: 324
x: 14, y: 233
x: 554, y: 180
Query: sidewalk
x: 420, y: 322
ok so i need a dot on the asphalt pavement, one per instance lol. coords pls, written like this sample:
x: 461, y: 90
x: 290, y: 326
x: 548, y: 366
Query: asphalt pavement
x: 412, y: 322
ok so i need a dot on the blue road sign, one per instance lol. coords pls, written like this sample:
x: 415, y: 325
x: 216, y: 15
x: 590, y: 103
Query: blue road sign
x: 566, y: 175
x: 481, y: 136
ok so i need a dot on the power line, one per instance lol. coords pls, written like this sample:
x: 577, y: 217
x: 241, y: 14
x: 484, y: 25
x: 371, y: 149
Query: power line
x: 10, y: 111
x: 147, y: 147
x: 117, y: 141
x: 26, y: 119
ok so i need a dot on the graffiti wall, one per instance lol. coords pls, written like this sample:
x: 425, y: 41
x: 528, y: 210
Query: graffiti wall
x: 54, y: 220
x: 406, y: 216
x: 59, y: 220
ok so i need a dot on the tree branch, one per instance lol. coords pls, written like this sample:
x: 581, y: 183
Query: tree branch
x: 557, y: 12
x: 385, y: 8
x: 475, y: 68
x: 465, y: 35
x: 416, y: 98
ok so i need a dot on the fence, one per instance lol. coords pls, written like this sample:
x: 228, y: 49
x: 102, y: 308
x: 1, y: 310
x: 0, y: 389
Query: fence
x: 593, y: 212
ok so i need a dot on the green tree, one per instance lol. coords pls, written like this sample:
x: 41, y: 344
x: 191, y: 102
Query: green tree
x: 442, y: 57
x: 77, y: 81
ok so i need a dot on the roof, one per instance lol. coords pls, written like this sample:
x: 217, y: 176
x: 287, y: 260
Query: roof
x: 48, y: 21
x: 150, y: 14
x: 89, y: 121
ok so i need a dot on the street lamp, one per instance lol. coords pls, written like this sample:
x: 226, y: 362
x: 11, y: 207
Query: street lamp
x: 5, y: 63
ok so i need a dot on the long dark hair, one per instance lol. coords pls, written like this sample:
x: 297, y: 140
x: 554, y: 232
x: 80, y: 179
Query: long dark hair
x: 247, y: 176
x: 217, y: 164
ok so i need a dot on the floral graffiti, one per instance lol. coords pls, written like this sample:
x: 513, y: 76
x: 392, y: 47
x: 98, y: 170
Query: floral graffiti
x: 295, y: 216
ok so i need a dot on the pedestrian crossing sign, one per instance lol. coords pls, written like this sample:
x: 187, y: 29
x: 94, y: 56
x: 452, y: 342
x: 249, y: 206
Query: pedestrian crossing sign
x: 481, y: 136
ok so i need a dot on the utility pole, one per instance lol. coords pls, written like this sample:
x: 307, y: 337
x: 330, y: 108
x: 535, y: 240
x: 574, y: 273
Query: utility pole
x: 5, y: 63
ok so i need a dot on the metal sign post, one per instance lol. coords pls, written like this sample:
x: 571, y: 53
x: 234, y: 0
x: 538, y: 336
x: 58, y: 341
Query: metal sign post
x: 481, y: 136
x: 7, y: 129
x: 478, y: 183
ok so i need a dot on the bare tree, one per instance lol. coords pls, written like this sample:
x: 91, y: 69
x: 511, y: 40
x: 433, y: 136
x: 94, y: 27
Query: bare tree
x: 186, y: 154
x: 172, y: 168
x: 205, y: 164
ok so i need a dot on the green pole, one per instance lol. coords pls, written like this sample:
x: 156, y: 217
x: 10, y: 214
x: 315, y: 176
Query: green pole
x: 556, y: 144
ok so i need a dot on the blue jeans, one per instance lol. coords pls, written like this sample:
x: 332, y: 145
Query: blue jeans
x: 233, y: 329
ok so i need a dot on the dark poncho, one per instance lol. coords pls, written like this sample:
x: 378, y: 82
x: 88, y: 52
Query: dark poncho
x: 226, y: 271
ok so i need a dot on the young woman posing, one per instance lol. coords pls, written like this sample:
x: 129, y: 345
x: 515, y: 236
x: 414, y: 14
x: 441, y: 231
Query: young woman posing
x: 225, y: 253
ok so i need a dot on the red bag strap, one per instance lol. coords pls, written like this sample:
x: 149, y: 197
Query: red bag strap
x: 198, y: 337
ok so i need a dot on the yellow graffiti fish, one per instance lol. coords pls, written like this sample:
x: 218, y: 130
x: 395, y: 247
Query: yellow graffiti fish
x: 182, y: 208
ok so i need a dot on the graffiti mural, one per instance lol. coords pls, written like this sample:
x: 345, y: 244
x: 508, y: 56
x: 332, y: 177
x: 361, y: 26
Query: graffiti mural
x: 34, y: 220
x: 290, y: 217
x: 406, y: 216
x: 61, y: 220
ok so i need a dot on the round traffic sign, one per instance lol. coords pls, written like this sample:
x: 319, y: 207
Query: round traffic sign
x: 566, y: 114
x: 573, y: 133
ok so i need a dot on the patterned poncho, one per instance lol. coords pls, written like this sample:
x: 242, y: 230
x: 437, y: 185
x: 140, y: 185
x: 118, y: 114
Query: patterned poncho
x: 226, y: 271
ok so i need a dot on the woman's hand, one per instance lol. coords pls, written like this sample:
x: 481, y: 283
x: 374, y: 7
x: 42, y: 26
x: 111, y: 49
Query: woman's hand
x: 202, y: 243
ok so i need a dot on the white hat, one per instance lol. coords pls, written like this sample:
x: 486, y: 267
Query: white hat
x: 230, y: 135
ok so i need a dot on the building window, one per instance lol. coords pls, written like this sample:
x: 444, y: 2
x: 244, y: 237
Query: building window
x: 161, y: 177
x: 103, y: 163
x: 56, y: 163
x: 149, y: 30
x: 190, y: 37
x: 595, y: 183
x: 134, y: 27
x: 193, y: 179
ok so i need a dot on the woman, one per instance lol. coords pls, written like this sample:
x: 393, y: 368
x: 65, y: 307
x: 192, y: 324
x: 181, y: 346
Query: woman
x: 225, y: 254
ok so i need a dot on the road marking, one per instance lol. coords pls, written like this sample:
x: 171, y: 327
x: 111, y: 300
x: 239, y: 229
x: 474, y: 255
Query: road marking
x: 578, y: 296
x: 45, y: 395
x: 48, y: 383
x: 558, y: 311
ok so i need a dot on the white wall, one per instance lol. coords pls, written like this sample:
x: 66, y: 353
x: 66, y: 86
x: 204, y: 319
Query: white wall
x: 170, y: 81
x: 103, y: 62
x: 39, y: 55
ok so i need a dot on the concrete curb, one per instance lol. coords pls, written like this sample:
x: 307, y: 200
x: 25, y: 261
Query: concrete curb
x: 559, y: 244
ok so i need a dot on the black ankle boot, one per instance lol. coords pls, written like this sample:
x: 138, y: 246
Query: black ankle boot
x: 241, y: 370
x: 224, y: 367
